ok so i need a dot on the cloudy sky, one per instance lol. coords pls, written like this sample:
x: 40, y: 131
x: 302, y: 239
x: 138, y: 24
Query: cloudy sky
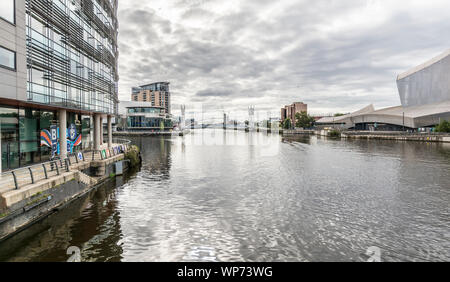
x: 335, y: 55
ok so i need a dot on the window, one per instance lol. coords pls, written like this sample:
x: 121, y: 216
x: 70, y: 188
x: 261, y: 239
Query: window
x: 7, y: 10
x: 7, y: 59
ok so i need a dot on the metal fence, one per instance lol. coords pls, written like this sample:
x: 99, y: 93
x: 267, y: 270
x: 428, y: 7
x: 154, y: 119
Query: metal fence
x: 125, y: 142
x: 397, y: 133
x: 15, y: 179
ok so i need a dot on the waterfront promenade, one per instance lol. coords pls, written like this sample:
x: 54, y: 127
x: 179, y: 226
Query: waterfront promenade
x: 375, y: 135
x: 27, y: 194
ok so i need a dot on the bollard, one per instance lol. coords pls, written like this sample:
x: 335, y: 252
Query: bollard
x: 15, y: 180
x: 57, y: 168
x: 31, y: 175
x: 45, y: 171
x: 67, y: 162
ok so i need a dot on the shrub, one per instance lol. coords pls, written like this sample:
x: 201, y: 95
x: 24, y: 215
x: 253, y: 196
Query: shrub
x: 334, y: 133
x: 444, y: 127
x: 133, y: 155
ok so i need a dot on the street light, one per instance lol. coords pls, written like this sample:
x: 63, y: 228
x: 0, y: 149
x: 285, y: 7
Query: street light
x: 403, y: 121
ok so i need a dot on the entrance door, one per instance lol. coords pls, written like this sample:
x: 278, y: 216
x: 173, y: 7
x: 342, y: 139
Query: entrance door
x: 10, y: 155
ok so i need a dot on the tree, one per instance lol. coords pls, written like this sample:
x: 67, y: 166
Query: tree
x: 267, y: 124
x: 444, y: 127
x: 286, y: 124
x: 303, y: 120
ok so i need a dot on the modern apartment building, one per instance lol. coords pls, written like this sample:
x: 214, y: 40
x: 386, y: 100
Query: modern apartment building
x: 157, y: 93
x: 142, y: 116
x: 58, y: 73
x: 291, y: 110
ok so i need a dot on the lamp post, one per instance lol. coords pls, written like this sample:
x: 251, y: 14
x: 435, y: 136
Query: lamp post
x: 403, y: 121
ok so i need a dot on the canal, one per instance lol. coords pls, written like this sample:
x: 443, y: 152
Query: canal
x: 235, y: 196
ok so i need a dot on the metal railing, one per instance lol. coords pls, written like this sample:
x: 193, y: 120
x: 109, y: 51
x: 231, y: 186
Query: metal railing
x: 125, y: 142
x: 397, y: 133
x: 20, y: 177
x: 15, y: 179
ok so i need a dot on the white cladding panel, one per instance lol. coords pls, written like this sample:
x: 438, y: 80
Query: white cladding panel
x: 427, y: 85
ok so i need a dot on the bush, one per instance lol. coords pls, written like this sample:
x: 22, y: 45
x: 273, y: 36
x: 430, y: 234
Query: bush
x: 334, y: 133
x: 133, y: 156
x: 444, y: 127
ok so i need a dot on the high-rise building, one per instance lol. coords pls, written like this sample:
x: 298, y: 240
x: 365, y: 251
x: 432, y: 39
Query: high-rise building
x: 58, y: 73
x: 157, y: 93
x: 291, y: 110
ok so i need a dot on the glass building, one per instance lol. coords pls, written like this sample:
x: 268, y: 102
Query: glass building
x: 143, y: 116
x: 58, y: 73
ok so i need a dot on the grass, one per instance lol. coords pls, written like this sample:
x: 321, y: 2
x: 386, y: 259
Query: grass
x: 37, y: 200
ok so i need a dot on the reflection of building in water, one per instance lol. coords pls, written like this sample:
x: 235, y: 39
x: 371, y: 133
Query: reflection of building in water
x: 92, y: 223
x: 156, y: 155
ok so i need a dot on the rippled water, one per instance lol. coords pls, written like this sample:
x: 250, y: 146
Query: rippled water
x: 215, y: 196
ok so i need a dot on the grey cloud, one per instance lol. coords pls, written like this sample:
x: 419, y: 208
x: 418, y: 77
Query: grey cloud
x: 239, y: 56
x: 214, y: 93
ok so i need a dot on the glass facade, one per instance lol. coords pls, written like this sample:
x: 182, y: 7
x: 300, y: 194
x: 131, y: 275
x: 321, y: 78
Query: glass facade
x: 146, y: 110
x: 7, y: 10
x: 71, y: 63
x: 21, y: 130
x: 9, y: 125
x: 152, y: 123
x: 87, y: 129
x: 72, y: 54
x: 159, y: 86
x: 7, y: 58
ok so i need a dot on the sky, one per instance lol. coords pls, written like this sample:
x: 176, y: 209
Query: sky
x: 224, y: 56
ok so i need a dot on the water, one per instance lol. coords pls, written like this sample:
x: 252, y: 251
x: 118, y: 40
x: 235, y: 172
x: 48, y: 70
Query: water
x: 212, y: 196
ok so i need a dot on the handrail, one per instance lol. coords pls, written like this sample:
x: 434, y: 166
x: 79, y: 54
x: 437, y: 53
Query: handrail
x: 32, y: 174
x: 397, y: 133
x: 121, y: 141
x: 22, y: 176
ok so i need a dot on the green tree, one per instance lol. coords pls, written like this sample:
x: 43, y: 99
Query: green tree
x: 303, y: 120
x: 287, y: 124
x: 444, y: 127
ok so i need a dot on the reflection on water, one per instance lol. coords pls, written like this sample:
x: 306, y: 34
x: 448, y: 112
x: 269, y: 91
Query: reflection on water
x: 211, y: 196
